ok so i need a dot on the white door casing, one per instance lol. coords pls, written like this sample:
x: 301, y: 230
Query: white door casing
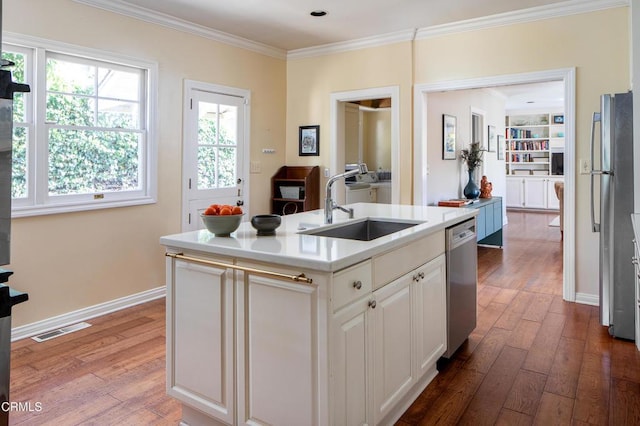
x: 216, y: 126
x: 420, y: 169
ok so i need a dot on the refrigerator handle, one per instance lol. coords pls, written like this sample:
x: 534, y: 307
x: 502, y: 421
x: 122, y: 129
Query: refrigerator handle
x: 596, y: 118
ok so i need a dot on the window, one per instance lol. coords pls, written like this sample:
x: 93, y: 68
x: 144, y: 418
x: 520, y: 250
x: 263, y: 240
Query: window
x: 82, y: 137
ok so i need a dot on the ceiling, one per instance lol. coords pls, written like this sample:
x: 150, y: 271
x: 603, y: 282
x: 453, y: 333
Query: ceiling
x: 535, y: 96
x: 287, y: 24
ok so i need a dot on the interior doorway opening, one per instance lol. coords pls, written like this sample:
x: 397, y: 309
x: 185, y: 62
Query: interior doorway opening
x: 369, y: 98
x: 423, y: 162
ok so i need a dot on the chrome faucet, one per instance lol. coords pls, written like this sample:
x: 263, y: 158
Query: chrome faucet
x: 329, y: 204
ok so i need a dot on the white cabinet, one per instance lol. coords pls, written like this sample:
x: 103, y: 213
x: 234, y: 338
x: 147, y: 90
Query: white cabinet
x: 277, y: 351
x: 532, y: 192
x: 351, y: 372
x: 393, y: 374
x: 351, y: 337
x: 514, y: 196
x: 361, y: 195
x: 244, y: 348
x: 385, y: 341
x: 535, y: 193
x: 248, y: 339
x: 553, y: 202
x: 430, y: 295
x: 200, y: 317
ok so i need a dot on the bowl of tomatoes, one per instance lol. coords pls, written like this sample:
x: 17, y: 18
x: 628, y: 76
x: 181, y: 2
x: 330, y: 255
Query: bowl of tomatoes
x: 222, y: 219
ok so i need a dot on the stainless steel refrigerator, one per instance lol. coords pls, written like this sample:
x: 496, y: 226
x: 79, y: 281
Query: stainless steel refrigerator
x: 611, y: 209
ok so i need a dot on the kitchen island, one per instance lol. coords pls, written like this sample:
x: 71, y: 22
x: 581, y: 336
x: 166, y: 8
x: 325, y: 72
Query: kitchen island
x: 301, y: 329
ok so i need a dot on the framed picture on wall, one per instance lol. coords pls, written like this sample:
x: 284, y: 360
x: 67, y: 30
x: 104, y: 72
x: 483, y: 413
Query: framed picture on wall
x: 448, y: 137
x: 309, y: 140
x: 500, y: 147
x: 491, y: 138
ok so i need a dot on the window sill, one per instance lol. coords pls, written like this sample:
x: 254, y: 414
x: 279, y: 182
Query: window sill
x: 27, y: 211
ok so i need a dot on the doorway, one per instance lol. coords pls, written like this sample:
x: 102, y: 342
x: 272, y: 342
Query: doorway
x: 339, y: 105
x: 214, y: 146
x: 421, y: 165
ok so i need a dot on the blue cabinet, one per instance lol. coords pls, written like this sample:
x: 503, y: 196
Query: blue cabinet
x: 489, y: 220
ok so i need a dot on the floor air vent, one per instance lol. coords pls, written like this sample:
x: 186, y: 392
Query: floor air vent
x: 60, y: 332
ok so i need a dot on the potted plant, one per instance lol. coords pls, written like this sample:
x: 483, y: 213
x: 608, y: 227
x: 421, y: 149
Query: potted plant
x: 472, y: 157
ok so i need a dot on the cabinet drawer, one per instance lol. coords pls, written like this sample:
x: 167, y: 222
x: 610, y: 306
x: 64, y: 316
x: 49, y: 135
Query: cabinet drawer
x: 351, y: 284
x: 389, y: 266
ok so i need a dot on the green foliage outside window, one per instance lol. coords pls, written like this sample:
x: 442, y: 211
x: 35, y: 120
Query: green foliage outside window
x: 94, y: 144
x: 216, y: 157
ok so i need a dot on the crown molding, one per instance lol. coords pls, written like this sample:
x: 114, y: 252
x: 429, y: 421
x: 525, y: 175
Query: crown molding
x: 172, y: 22
x: 571, y: 7
x: 345, y: 46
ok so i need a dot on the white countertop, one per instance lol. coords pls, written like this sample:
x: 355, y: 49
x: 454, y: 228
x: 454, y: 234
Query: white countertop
x: 289, y: 247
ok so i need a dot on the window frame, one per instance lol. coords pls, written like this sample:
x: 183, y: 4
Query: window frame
x: 38, y: 201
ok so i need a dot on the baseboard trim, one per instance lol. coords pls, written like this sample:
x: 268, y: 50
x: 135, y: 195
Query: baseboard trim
x: 84, y: 314
x: 588, y: 299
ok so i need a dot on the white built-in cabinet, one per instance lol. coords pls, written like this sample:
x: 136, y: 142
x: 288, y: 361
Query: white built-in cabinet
x: 201, y: 310
x: 239, y: 336
x: 354, y: 347
x: 532, y: 192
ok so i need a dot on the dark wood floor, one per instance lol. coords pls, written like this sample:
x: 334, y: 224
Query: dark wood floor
x: 112, y: 373
x: 533, y: 359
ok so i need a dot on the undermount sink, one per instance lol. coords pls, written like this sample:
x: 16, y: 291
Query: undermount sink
x: 363, y: 230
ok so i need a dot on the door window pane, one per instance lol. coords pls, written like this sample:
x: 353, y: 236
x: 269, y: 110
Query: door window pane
x: 217, y: 152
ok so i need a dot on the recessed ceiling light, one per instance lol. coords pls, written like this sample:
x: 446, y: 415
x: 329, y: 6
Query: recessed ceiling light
x: 531, y: 102
x: 318, y: 13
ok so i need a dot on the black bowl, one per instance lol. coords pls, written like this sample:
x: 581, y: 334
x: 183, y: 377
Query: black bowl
x: 266, y: 224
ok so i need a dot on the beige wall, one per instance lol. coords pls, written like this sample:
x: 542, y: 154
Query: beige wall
x: 376, y: 129
x: 596, y: 44
x: 311, y: 81
x: 448, y: 178
x: 70, y: 261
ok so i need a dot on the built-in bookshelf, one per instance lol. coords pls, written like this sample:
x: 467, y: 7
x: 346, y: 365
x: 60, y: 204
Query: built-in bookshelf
x: 530, y: 141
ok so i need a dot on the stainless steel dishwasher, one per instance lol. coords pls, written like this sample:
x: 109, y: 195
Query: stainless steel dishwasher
x: 462, y: 277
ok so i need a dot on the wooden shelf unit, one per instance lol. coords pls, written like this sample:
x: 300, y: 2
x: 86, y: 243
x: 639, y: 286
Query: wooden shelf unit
x: 307, y: 178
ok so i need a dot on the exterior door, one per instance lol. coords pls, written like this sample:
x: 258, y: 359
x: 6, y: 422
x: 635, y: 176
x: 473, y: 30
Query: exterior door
x: 214, y: 150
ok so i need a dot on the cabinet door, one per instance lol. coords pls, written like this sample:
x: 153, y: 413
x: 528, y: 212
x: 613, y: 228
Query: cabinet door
x: 430, y: 316
x: 200, y: 362
x: 277, y: 349
x: 481, y: 223
x: 552, y: 199
x: 514, y: 194
x: 497, y: 215
x: 535, y: 193
x: 351, y: 375
x: 393, y: 347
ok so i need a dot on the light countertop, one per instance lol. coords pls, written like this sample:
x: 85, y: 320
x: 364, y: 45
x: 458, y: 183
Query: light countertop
x: 290, y: 247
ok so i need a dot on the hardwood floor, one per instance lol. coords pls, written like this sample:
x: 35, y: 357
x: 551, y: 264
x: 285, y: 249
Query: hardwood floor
x: 533, y: 358
x: 112, y: 373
